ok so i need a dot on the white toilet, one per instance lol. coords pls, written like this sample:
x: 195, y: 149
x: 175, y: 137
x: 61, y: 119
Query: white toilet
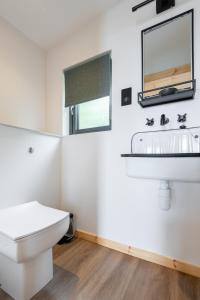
x: 27, y: 234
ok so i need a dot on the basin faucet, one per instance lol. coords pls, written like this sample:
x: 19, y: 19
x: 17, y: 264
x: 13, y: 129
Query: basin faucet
x: 150, y: 122
x: 163, y: 120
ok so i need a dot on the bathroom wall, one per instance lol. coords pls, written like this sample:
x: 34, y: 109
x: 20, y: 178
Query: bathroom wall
x: 28, y: 177
x: 25, y: 177
x: 94, y: 184
x: 22, y: 80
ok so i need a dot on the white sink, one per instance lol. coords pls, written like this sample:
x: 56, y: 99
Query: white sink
x: 165, y: 155
x: 173, y: 168
x: 170, y: 155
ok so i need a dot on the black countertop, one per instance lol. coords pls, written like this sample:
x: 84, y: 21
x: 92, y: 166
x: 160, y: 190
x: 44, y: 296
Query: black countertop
x: 162, y: 155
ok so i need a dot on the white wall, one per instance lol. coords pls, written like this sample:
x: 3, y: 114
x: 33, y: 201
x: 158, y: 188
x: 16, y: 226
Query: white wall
x: 28, y: 177
x: 94, y: 184
x: 25, y: 177
x: 22, y: 80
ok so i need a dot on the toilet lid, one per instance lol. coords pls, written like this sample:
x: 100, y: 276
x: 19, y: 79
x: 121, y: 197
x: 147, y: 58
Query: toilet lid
x: 26, y: 219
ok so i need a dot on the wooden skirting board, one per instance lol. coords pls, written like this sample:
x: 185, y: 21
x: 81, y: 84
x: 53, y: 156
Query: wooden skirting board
x: 142, y: 254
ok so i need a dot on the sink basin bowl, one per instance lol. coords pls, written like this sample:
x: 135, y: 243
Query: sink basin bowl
x: 171, y: 167
x: 165, y: 155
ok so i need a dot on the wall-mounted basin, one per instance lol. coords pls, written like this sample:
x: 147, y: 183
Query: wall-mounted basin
x: 165, y: 155
x: 174, y: 166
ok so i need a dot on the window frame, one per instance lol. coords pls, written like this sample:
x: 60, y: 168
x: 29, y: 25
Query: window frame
x: 74, y: 114
x: 74, y: 122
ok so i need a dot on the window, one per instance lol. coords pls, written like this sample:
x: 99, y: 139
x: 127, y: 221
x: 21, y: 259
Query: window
x: 88, y: 96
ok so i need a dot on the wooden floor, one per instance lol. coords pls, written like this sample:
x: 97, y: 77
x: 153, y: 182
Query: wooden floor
x: 86, y: 271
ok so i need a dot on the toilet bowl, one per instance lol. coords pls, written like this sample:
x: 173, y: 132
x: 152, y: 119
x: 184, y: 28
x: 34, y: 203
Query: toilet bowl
x: 27, y: 234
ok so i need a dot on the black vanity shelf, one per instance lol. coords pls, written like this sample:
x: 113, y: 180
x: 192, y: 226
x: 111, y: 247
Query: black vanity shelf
x: 179, y: 95
x: 162, y: 155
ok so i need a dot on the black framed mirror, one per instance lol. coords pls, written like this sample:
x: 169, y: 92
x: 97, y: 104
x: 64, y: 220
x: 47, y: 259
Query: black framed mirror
x: 168, y: 61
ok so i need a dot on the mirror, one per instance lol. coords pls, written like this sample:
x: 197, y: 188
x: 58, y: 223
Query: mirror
x: 167, y: 61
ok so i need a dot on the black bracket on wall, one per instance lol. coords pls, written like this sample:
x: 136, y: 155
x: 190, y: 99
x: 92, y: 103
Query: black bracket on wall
x: 161, y: 5
x: 141, y: 5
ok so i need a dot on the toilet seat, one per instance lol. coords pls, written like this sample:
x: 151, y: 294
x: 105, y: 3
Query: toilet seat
x: 19, y: 222
x: 28, y: 229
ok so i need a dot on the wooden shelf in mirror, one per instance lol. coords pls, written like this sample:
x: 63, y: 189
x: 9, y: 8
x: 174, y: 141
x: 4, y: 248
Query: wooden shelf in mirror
x: 167, y: 77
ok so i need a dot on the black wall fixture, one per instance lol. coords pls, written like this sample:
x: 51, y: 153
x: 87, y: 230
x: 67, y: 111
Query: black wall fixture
x: 126, y: 96
x: 150, y: 122
x: 182, y: 118
x: 161, y: 5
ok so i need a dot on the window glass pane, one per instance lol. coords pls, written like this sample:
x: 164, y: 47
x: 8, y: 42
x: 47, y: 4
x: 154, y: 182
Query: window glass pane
x: 94, y: 113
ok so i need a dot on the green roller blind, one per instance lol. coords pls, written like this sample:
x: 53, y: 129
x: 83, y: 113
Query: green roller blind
x: 88, y: 81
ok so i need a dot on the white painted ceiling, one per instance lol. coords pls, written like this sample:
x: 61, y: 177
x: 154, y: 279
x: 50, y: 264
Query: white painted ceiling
x: 46, y: 22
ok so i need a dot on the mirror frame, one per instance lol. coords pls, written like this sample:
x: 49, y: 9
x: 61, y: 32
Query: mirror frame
x: 173, y: 98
